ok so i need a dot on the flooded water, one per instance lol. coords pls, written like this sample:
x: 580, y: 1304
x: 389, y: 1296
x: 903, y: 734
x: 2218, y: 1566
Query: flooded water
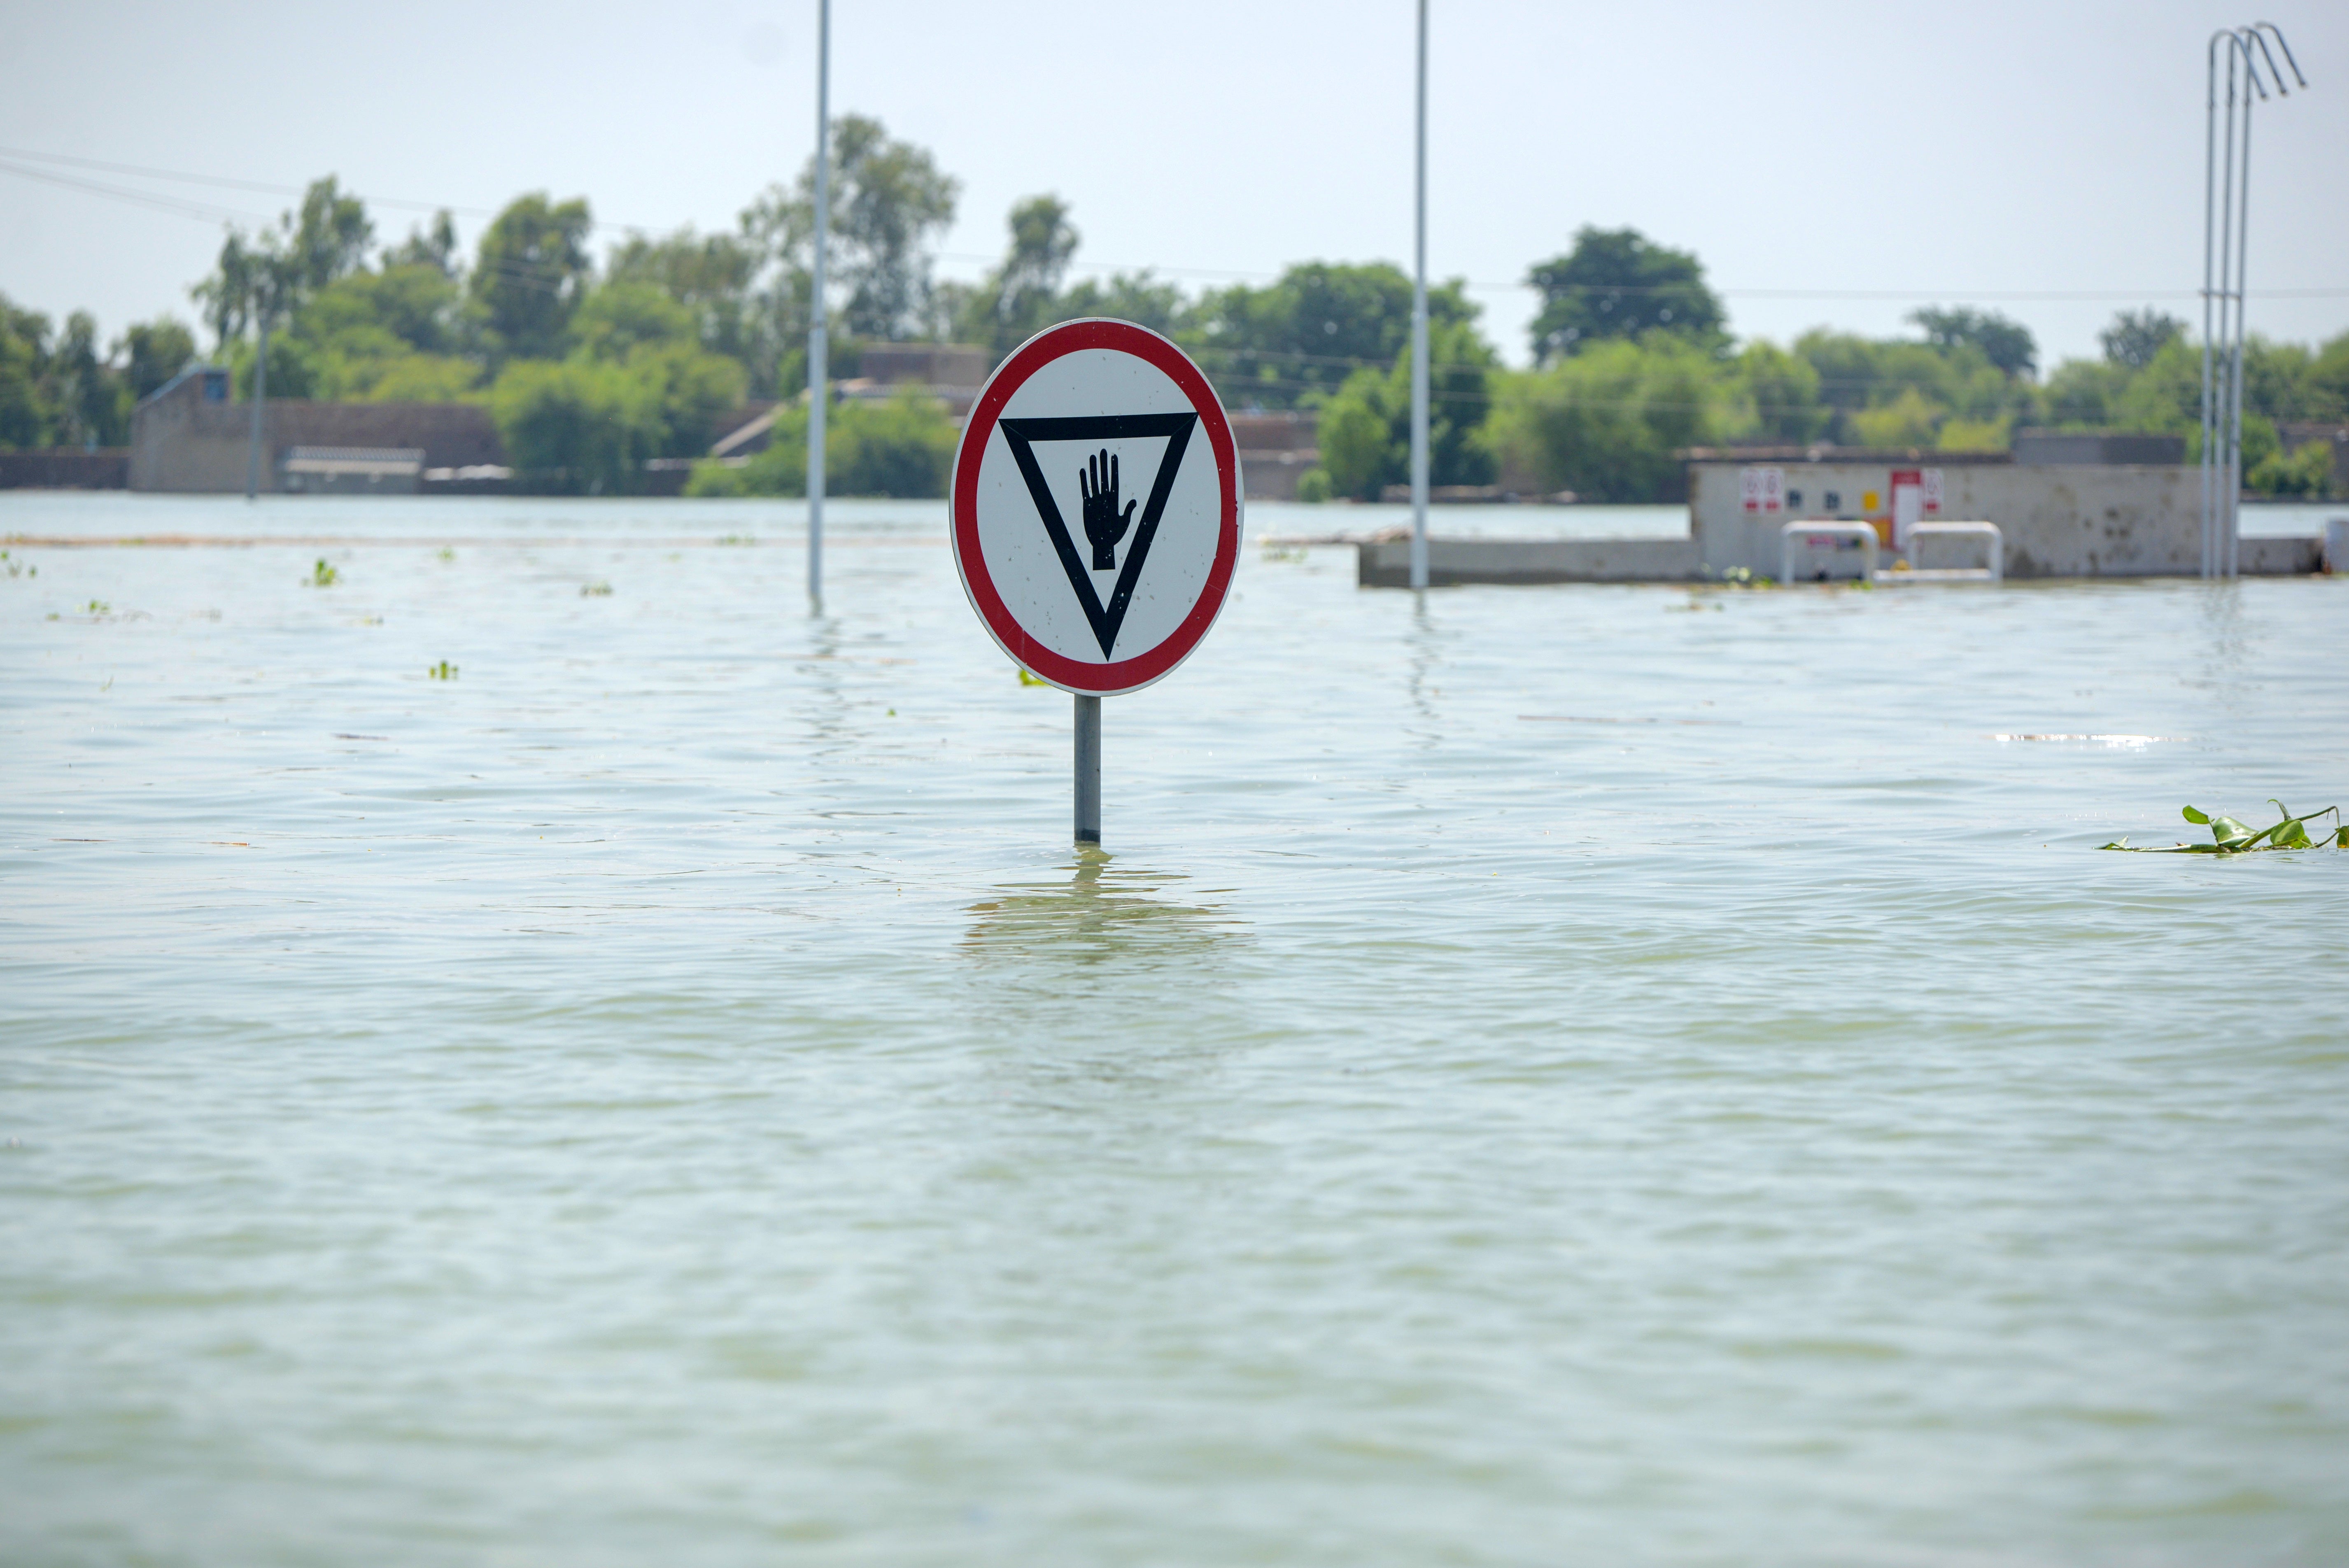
x: 1567, y: 1074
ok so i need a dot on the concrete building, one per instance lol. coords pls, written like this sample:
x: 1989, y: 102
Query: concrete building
x: 187, y: 436
x: 2055, y: 518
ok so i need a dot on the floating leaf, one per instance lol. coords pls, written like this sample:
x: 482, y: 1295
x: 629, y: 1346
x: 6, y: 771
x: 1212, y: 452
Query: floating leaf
x: 2233, y: 837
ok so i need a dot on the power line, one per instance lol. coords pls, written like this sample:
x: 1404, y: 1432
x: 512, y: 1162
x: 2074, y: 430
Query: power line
x: 212, y: 212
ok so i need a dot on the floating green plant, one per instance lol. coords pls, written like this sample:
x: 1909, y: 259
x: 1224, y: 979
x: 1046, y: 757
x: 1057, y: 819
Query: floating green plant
x: 739, y: 539
x: 443, y: 671
x: 98, y: 607
x: 447, y: 554
x: 18, y: 568
x: 1027, y: 679
x: 323, y: 576
x: 2233, y: 837
x: 595, y: 590
x: 1746, y: 577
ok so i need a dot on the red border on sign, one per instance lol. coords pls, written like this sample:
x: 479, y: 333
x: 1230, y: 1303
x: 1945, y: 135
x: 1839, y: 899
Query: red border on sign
x: 1055, y: 343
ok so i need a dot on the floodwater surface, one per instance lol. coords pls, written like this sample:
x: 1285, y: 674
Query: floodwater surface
x: 1565, y: 1075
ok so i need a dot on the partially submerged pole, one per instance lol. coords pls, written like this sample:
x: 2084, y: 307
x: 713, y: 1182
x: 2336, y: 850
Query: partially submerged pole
x: 1419, y: 378
x: 1088, y: 751
x: 819, y: 330
x: 260, y: 402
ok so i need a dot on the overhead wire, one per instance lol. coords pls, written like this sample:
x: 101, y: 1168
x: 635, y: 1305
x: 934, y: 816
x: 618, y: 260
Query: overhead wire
x: 11, y: 162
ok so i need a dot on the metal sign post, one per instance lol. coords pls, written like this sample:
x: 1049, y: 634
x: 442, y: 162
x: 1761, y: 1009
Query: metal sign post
x: 819, y: 330
x: 1419, y: 375
x: 1096, y: 518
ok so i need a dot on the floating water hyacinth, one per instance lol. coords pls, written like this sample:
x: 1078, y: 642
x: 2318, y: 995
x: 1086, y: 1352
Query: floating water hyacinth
x: 2233, y: 837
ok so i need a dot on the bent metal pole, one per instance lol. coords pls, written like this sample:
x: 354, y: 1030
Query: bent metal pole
x: 2226, y: 257
x: 819, y: 330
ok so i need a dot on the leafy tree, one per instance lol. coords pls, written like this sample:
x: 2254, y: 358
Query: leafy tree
x: 1137, y: 297
x: 1910, y: 420
x: 2328, y: 381
x: 26, y: 414
x: 710, y: 275
x: 1780, y: 395
x: 435, y: 247
x: 1365, y: 428
x: 266, y: 275
x: 2005, y: 343
x: 577, y: 426
x: 889, y: 201
x: 1616, y: 283
x: 1298, y: 340
x: 2084, y: 394
x: 1022, y: 297
x: 901, y: 447
x: 530, y: 275
x: 2136, y: 336
x: 153, y: 352
x: 1605, y: 422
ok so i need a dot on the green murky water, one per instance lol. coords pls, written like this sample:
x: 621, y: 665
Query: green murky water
x: 1542, y: 1075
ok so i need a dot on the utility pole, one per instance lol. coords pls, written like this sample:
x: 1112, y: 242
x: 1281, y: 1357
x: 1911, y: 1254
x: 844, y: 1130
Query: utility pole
x: 2226, y: 254
x: 260, y: 401
x: 819, y: 329
x: 1419, y: 339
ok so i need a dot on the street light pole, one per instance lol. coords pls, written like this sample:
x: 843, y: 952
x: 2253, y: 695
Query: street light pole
x: 819, y: 330
x: 1419, y: 377
x: 2226, y: 255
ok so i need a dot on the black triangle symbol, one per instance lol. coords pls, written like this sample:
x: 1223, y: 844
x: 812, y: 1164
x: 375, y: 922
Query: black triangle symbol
x: 1021, y: 433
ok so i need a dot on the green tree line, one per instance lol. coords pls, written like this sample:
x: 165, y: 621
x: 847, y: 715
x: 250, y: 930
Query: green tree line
x: 590, y: 370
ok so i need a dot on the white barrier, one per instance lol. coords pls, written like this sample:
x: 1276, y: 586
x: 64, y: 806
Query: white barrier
x: 1993, y: 570
x: 1834, y: 539
x: 2336, y: 545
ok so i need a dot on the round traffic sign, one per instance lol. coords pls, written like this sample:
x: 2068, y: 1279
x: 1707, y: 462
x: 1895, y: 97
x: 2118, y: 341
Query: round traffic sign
x: 1096, y: 505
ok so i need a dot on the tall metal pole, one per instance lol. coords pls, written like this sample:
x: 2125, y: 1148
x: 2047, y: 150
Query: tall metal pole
x: 1088, y: 770
x: 2232, y: 537
x: 260, y: 402
x: 819, y: 329
x: 2210, y: 264
x: 1419, y: 377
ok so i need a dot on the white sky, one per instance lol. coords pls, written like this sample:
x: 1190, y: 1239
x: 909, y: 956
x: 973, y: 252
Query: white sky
x: 1844, y: 147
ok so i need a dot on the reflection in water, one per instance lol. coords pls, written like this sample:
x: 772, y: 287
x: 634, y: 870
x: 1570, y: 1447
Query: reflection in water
x: 1102, y: 914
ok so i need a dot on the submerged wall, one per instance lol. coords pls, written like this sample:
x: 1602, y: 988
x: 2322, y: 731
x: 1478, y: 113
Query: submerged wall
x: 2059, y: 520
x: 182, y: 440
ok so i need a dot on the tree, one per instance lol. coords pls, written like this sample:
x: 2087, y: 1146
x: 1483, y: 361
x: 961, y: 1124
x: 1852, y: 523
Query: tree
x: 577, y: 426
x: 435, y: 248
x: 2005, y: 343
x: 1605, y: 422
x: 26, y: 416
x: 153, y: 352
x: 1298, y: 340
x: 1017, y: 300
x: 262, y: 276
x: 710, y: 277
x: 2136, y: 336
x: 1616, y: 283
x: 889, y: 201
x: 530, y: 274
x: 1365, y: 428
x: 2328, y: 380
x: 1782, y: 394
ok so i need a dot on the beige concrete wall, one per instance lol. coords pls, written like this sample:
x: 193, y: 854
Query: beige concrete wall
x: 180, y: 442
x: 1386, y: 563
x: 2059, y: 521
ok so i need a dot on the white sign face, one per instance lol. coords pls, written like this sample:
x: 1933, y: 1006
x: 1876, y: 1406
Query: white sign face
x: 1763, y: 489
x: 1096, y: 505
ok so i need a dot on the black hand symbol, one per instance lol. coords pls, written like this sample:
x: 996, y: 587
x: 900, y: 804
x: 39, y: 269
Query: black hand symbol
x: 1097, y: 482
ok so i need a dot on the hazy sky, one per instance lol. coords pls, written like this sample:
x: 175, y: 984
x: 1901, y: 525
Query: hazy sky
x: 1998, y: 153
